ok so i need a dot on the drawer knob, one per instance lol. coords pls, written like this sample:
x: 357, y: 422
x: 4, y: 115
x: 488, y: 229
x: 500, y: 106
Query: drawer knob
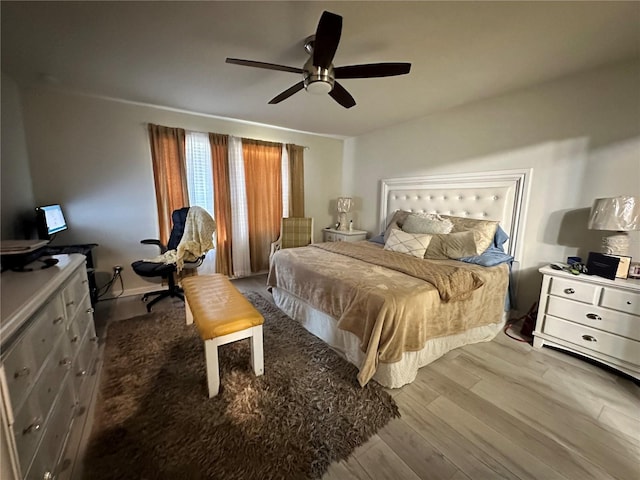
x: 569, y: 291
x: 589, y: 338
x: 85, y: 281
x: 47, y: 476
x: 93, y: 339
x: 628, y: 302
x: 593, y: 316
x: 58, y: 320
x: 81, y: 373
x: 90, y: 310
x: 65, y: 362
x: 34, y: 427
x: 74, y: 339
x: 68, y: 304
x: 23, y: 372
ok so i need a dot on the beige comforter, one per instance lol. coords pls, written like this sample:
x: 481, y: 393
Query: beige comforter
x: 391, y: 301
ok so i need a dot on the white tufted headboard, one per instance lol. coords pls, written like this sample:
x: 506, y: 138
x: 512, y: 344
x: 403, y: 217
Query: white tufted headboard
x: 500, y: 195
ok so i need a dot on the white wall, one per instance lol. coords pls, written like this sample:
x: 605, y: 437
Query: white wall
x: 580, y: 134
x: 92, y: 156
x: 17, y: 203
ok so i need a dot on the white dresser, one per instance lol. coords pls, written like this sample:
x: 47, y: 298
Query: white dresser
x: 592, y: 316
x: 48, y: 349
x: 333, y: 235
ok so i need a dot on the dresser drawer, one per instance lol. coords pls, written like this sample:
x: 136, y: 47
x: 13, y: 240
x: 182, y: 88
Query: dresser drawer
x: 26, y: 356
x: 84, y: 361
x: 79, y: 324
x: 54, y: 436
x: 32, y: 416
x: 74, y: 292
x: 575, y: 290
x: 595, y: 317
x: 621, y: 300
x: 592, y: 339
x: 329, y: 237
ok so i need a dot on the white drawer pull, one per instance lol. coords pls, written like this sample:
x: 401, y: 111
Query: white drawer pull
x: 81, y: 373
x: 589, y: 338
x: 65, y: 362
x: 58, y: 320
x: 68, y: 304
x: 90, y: 310
x: 23, y: 372
x: 48, y: 476
x: 34, y: 427
x: 569, y: 291
x: 593, y: 316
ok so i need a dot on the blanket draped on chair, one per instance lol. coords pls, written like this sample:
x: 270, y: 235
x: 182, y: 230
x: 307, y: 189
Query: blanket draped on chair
x: 197, y: 239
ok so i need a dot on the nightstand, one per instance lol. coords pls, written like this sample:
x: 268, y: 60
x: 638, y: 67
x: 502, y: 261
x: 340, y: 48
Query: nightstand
x: 333, y: 235
x: 591, y: 316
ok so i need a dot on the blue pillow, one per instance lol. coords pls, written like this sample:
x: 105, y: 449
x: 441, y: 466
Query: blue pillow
x: 500, y: 237
x: 494, y: 255
x: 378, y: 239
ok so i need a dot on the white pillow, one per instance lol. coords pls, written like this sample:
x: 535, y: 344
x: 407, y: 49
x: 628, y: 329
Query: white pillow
x: 427, y: 223
x: 408, y: 243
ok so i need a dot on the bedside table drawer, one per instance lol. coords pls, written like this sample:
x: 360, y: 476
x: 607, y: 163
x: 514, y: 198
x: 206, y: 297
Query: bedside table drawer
x: 595, y: 317
x: 621, y: 300
x: 596, y: 340
x: 575, y: 290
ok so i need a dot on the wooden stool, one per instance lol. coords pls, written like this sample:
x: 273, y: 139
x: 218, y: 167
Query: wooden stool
x: 222, y: 315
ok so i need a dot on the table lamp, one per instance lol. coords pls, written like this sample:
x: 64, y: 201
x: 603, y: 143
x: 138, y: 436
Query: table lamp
x: 344, y: 207
x: 617, y: 214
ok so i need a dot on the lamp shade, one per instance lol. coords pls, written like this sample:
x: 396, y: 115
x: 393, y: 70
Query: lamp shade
x: 620, y: 214
x: 344, y: 204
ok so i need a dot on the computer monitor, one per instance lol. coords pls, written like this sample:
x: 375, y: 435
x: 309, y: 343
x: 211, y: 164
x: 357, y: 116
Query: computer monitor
x: 50, y: 221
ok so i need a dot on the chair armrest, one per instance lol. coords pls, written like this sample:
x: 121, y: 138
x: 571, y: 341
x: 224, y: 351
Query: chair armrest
x: 275, y: 246
x: 153, y: 241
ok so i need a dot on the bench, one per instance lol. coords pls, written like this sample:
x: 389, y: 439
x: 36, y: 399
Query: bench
x: 222, y: 315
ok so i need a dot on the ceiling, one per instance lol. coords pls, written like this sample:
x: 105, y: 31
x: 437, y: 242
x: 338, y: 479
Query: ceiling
x: 173, y: 53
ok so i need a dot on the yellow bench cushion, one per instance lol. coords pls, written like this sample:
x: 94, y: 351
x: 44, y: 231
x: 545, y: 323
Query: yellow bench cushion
x: 218, y: 308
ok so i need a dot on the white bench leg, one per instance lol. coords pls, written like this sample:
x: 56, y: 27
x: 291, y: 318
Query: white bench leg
x: 213, y: 372
x: 257, y: 353
x: 188, y: 313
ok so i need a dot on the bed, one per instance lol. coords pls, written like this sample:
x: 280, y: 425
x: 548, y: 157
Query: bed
x: 389, y: 310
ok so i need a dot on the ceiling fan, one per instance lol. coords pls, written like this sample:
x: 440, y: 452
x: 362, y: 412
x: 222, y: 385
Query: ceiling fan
x: 318, y: 73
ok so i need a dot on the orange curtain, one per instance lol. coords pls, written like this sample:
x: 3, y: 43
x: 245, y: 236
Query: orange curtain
x: 296, y: 180
x: 222, y: 202
x: 263, y: 177
x: 169, y: 173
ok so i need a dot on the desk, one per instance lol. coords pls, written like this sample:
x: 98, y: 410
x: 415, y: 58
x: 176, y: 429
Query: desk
x: 84, y: 249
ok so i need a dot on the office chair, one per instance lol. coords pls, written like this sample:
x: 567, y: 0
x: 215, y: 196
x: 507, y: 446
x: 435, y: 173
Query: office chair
x: 294, y: 232
x: 147, y: 268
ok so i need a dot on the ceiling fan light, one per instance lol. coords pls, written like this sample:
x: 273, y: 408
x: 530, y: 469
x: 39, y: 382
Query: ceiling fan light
x: 319, y: 87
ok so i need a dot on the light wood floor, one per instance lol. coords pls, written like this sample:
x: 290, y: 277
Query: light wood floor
x: 496, y: 410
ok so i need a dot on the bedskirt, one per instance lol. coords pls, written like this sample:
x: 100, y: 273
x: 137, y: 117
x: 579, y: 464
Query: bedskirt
x: 390, y: 375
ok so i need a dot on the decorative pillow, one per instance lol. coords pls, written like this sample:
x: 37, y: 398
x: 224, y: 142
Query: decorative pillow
x: 483, y: 230
x: 408, y: 243
x: 427, y: 223
x: 396, y: 222
x: 452, y: 245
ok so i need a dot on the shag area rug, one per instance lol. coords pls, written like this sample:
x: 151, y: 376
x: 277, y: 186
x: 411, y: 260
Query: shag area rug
x: 154, y: 419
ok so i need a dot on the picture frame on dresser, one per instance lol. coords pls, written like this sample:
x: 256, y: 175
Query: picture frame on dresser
x: 594, y: 317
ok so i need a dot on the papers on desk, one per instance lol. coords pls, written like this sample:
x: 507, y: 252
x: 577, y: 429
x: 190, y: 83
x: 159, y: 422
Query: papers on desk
x: 14, y: 247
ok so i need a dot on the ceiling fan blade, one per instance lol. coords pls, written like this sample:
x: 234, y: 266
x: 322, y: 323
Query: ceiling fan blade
x: 372, y: 70
x: 287, y: 93
x: 340, y: 95
x: 268, y: 66
x: 327, y: 39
